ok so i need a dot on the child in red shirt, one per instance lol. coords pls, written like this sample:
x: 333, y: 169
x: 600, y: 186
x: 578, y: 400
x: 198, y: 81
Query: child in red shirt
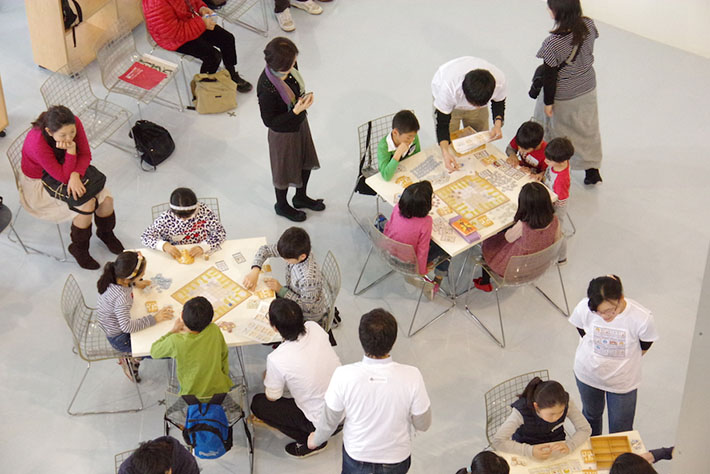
x: 557, y: 155
x: 527, y: 149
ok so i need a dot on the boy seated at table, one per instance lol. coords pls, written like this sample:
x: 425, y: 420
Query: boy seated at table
x: 186, y: 222
x: 527, y: 149
x: 402, y: 142
x: 199, y: 350
x: 304, y: 282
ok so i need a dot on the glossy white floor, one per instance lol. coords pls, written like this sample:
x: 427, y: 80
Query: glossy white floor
x: 364, y: 59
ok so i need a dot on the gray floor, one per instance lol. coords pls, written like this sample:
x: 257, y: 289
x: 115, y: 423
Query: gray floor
x: 364, y: 59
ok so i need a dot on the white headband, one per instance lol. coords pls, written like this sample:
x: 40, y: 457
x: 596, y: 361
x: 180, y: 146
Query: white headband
x: 183, y: 208
x: 137, y: 269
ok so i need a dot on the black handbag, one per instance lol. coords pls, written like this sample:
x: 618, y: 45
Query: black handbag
x: 153, y: 142
x: 93, y: 180
x: 537, y: 80
x: 361, y: 187
x: 71, y: 19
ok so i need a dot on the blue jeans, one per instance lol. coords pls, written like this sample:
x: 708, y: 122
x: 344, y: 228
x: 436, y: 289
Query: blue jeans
x: 435, y: 252
x: 622, y: 408
x: 351, y: 466
x: 122, y: 342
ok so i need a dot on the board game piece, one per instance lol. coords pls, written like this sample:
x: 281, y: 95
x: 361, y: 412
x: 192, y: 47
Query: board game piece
x: 160, y: 283
x: 264, y: 294
x: 519, y: 174
x: 448, y: 235
x: 221, y: 266
x: 151, y: 306
x: 607, y: 448
x: 485, y: 174
x: 266, y: 268
x: 226, y: 326
x: 238, y: 257
x: 589, y: 471
x: 465, y: 229
x: 511, y: 171
x: 404, y: 181
x: 185, y: 257
x: 471, y: 196
x: 425, y: 167
x: 443, y: 210
x: 587, y: 455
x: 483, y: 221
x: 252, y: 304
x: 259, y: 331
x: 516, y: 461
x: 222, y: 292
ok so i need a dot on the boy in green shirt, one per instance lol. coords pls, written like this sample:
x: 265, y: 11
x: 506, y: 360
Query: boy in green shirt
x: 398, y: 145
x: 199, y: 350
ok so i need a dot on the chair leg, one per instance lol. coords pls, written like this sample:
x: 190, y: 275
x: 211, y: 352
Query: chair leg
x: 564, y: 294
x: 80, y: 413
x: 433, y: 320
x: 240, y: 358
x: 362, y: 272
x: 30, y: 250
x: 571, y: 223
x: 501, y: 341
x: 250, y: 442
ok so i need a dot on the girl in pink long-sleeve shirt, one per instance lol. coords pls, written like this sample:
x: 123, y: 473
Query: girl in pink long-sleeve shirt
x: 57, y: 145
x: 411, y: 224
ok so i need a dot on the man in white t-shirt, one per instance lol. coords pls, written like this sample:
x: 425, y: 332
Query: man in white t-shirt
x: 382, y: 402
x: 303, y: 364
x: 462, y: 89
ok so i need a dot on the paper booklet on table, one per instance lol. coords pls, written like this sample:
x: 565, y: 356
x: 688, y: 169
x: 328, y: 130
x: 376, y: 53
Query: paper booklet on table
x: 148, y: 71
x: 467, y: 140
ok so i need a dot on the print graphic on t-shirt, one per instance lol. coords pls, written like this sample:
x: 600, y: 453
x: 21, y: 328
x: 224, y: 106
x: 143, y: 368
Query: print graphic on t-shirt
x: 194, y: 232
x: 610, y: 342
x: 529, y: 159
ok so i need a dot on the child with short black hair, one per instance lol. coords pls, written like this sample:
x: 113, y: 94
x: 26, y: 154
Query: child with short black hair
x: 401, y: 143
x: 557, y: 178
x: 630, y: 463
x: 186, y: 222
x: 304, y: 282
x: 115, y: 301
x: 527, y: 148
x: 158, y: 456
x: 535, y: 427
x: 411, y: 224
x: 486, y: 462
x: 198, y: 347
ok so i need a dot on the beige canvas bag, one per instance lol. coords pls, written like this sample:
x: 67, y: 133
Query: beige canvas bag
x: 214, y: 93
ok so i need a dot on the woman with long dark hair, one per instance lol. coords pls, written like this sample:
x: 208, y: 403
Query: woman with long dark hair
x: 568, y: 104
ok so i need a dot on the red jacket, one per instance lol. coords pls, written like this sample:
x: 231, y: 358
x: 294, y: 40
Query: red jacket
x: 171, y: 23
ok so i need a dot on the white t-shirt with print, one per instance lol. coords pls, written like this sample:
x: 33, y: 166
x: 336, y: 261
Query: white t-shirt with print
x: 303, y: 366
x: 379, y: 398
x: 446, y: 86
x: 609, y: 355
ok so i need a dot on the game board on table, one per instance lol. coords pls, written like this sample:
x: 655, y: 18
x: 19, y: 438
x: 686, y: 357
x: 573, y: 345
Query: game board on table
x: 471, y: 196
x: 224, y: 293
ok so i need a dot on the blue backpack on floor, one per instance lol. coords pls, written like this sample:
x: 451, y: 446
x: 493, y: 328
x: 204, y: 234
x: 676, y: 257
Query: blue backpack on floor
x: 207, y: 429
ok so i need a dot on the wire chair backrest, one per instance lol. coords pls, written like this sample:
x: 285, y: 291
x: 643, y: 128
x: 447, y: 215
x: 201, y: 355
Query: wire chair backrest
x: 119, y: 458
x: 398, y: 256
x: 211, y: 203
x: 235, y: 9
x: 70, y: 90
x: 14, y: 155
x: 75, y: 312
x: 524, y: 269
x: 116, y: 55
x: 331, y: 277
x: 499, y: 398
x: 379, y: 127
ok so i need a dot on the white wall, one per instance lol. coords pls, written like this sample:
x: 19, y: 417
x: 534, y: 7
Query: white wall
x: 683, y: 24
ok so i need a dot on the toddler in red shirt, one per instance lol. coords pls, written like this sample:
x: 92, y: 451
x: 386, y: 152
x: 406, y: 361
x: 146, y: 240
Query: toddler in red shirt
x: 557, y: 155
x: 527, y: 149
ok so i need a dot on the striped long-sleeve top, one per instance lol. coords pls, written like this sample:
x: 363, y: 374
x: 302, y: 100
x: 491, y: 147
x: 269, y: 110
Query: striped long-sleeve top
x: 113, y: 309
x: 304, y: 283
x: 203, y: 229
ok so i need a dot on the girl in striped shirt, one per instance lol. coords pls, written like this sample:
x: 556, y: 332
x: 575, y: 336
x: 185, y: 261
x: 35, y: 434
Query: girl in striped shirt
x: 115, y: 301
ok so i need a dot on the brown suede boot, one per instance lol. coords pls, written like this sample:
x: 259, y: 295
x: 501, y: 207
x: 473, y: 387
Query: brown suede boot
x: 79, y: 247
x: 104, y: 231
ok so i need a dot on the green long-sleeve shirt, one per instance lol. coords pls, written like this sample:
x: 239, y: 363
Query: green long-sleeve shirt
x: 386, y: 164
x: 202, y: 360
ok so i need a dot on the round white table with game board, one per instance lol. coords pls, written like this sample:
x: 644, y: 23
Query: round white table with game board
x: 580, y: 461
x: 219, y: 279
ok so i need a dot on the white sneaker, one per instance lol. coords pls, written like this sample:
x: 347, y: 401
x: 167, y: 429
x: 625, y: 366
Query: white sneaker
x: 285, y: 20
x: 309, y: 6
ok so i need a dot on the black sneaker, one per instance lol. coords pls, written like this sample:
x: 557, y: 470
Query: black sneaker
x: 298, y: 450
x: 242, y: 84
x: 290, y: 213
x: 592, y: 176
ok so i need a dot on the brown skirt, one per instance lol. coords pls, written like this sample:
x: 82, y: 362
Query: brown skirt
x: 290, y: 154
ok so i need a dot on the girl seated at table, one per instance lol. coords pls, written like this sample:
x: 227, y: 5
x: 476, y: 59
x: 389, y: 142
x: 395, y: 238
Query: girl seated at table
x: 535, y: 427
x: 535, y: 228
x: 486, y: 462
x: 411, y: 224
x: 186, y: 222
x: 114, y: 306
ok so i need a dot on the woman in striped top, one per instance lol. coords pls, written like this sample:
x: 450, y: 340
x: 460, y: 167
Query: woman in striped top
x: 115, y: 300
x: 568, y: 105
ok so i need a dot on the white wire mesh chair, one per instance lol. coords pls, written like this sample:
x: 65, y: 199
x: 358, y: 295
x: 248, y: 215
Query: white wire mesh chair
x: 100, y: 118
x: 521, y: 270
x: 400, y: 258
x: 499, y: 398
x: 90, y: 341
x: 119, y: 458
x: 117, y: 55
x: 14, y: 155
x: 211, y: 203
x: 234, y: 406
x: 331, y: 277
x: 369, y: 135
x: 234, y: 10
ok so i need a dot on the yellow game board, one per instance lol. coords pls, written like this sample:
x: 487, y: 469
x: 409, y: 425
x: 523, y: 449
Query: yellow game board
x: 471, y: 196
x: 224, y: 293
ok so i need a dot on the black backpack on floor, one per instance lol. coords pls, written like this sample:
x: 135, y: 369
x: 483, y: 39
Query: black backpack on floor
x: 153, y: 142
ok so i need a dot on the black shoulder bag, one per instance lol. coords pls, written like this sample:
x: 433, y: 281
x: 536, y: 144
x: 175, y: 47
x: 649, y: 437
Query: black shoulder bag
x: 537, y: 80
x: 362, y: 187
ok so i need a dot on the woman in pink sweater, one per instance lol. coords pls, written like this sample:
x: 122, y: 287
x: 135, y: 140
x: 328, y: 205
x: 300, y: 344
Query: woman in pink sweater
x: 57, y: 145
x: 411, y: 224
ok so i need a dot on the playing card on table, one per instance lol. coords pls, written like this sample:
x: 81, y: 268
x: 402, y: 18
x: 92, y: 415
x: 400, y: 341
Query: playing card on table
x: 221, y: 266
x: 238, y: 257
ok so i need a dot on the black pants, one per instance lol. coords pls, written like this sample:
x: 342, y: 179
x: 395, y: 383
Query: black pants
x: 207, y: 47
x: 284, y: 415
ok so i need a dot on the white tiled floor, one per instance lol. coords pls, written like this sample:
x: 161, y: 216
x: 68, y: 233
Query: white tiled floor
x: 364, y: 59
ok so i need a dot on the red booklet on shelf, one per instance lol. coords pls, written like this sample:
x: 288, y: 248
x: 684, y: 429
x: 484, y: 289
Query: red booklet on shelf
x: 142, y: 76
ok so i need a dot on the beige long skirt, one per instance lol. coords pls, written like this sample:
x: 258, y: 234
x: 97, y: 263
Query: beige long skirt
x: 41, y: 205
